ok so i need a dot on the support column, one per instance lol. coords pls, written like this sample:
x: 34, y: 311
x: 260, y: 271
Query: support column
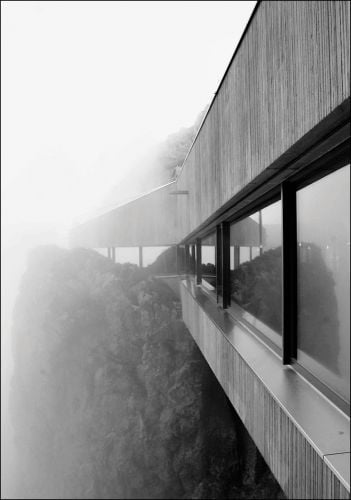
x: 187, y: 259
x: 198, y: 262
x: 113, y: 256
x: 177, y: 258
x: 218, y: 262
x: 260, y: 230
x: 140, y: 256
x: 225, y: 233
x: 193, y: 260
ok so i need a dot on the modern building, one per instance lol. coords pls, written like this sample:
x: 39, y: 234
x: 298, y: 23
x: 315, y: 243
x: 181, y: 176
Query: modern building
x: 262, y: 200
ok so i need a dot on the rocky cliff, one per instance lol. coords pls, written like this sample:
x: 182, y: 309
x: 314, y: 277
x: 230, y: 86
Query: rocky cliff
x: 111, y: 397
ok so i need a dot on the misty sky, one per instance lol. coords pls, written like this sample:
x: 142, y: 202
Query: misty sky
x: 89, y: 87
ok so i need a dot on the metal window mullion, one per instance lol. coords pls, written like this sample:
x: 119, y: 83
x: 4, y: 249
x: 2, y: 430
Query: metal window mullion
x: 218, y: 262
x: 187, y: 259
x: 193, y: 259
x: 225, y: 268
x: 289, y: 273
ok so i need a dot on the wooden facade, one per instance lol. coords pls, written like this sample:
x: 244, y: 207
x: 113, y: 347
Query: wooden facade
x: 289, y: 441
x: 149, y: 220
x: 290, y: 71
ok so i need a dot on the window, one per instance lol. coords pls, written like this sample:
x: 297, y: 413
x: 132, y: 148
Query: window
x: 323, y: 279
x: 284, y: 269
x: 208, y: 261
x: 256, y: 270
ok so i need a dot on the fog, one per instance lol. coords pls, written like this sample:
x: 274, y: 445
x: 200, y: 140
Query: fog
x: 89, y: 91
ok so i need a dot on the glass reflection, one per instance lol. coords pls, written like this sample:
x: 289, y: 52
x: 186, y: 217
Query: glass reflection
x: 323, y: 258
x: 208, y: 261
x: 255, y: 269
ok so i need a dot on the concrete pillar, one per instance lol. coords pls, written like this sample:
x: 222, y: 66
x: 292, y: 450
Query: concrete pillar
x: 140, y: 256
x: 260, y: 229
x: 177, y: 258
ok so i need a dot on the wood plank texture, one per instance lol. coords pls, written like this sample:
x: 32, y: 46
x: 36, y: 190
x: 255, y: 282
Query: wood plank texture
x: 147, y: 221
x: 291, y: 70
x: 300, y: 471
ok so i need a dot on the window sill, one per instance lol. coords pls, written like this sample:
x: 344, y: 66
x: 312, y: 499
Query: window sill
x: 323, y: 425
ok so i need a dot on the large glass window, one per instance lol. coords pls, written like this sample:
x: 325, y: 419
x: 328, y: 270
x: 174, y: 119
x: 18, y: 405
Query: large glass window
x: 242, y: 262
x: 323, y: 264
x: 255, y: 270
x: 208, y: 261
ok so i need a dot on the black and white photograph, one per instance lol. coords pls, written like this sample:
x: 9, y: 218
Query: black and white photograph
x: 175, y: 249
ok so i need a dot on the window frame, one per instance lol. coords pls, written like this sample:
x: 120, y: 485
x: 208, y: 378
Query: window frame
x: 284, y: 190
x: 259, y: 204
x: 332, y: 163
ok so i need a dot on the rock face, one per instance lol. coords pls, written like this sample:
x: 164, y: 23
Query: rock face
x: 111, y: 398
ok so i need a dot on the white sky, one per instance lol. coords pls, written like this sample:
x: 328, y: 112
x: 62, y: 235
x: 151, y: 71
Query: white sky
x: 88, y: 87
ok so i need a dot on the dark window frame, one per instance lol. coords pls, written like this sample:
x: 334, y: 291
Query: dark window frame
x: 257, y: 205
x: 199, y: 275
x: 285, y: 191
x: 329, y: 163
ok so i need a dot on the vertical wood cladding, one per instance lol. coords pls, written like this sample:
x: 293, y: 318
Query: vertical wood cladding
x: 147, y: 221
x: 290, y: 71
x: 301, y: 472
